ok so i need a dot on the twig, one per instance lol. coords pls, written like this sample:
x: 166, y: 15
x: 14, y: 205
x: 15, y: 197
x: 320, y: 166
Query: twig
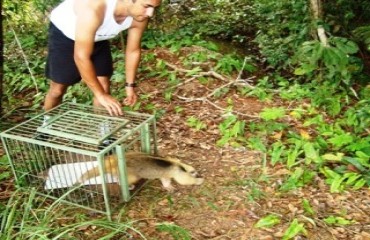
x: 237, y: 81
x: 25, y: 59
x: 354, y: 93
x: 217, y: 89
x: 210, y: 73
x: 204, y: 99
x: 241, y: 70
x: 358, y: 209
x: 323, y: 224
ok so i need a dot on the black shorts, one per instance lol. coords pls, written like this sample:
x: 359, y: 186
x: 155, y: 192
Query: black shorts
x: 60, y: 64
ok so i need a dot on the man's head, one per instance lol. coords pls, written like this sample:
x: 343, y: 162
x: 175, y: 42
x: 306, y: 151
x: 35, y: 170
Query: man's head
x: 141, y: 10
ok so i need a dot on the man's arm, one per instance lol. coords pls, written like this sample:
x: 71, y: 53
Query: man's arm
x: 132, y: 57
x: 90, y: 15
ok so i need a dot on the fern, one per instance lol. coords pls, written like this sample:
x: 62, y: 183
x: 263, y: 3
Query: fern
x: 363, y: 34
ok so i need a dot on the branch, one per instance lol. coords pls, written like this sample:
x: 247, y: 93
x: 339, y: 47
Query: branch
x: 201, y: 74
x: 204, y: 99
x: 238, y: 81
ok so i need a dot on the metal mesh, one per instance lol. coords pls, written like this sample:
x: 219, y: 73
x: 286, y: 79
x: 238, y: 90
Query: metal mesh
x: 52, y: 155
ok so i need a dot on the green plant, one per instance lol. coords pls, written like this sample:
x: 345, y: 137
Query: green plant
x: 268, y: 221
x: 363, y: 34
x: 177, y: 232
x: 195, y: 123
x: 232, y: 131
x: 332, y: 62
x: 260, y: 90
x: 339, y: 181
x: 299, y: 178
x: 294, y: 229
x: 231, y: 62
x: 4, y: 166
x: 307, y: 207
x: 257, y: 143
x: 338, y: 221
x: 272, y: 113
x: 255, y: 192
x: 276, y: 151
x: 282, y: 27
x: 27, y: 217
x: 178, y: 109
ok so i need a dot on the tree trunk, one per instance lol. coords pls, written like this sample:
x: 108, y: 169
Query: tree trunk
x: 317, y: 13
x: 1, y: 57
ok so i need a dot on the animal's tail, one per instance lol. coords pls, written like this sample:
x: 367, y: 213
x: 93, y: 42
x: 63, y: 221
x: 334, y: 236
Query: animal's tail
x: 92, y: 173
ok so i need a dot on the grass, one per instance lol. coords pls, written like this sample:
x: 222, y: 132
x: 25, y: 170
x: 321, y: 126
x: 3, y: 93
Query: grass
x: 30, y: 216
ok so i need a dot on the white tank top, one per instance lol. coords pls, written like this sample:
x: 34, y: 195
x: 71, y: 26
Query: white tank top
x: 64, y: 18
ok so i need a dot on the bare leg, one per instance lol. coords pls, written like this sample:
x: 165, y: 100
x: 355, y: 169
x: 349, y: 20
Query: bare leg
x: 55, y: 95
x: 105, y: 83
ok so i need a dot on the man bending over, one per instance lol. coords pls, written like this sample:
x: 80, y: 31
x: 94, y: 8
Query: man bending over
x: 79, y: 48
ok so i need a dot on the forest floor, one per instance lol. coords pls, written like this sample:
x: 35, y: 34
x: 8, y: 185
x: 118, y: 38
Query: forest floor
x: 240, y: 188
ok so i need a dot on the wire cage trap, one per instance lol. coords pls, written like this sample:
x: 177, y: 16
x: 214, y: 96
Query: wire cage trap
x: 52, y: 154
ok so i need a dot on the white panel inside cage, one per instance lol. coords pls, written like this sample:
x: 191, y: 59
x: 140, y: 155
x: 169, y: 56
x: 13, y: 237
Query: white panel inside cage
x: 67, y: 175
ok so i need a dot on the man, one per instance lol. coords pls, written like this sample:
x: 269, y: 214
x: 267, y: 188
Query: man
x: 79, y: 47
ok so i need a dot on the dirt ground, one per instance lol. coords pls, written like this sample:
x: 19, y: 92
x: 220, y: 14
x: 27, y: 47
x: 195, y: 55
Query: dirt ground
x: 239, y: 188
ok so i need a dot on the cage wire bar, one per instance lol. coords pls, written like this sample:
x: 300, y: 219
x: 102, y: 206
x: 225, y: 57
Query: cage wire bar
x: 51, y: 156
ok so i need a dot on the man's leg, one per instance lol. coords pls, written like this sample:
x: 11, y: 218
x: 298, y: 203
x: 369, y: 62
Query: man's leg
x: 55, y: 95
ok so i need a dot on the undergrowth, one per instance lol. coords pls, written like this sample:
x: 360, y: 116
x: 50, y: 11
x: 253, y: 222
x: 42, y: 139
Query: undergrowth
x: 320, y: 129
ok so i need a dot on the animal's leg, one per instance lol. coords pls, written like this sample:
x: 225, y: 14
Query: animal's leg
x: 166, y: 182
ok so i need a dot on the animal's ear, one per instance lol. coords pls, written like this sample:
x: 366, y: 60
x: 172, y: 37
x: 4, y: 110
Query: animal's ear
x: 172, y: 159
x: 187, y: 168
x: 194, y: 173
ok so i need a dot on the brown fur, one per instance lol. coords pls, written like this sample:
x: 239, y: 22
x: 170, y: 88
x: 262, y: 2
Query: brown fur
x: 145, y: 166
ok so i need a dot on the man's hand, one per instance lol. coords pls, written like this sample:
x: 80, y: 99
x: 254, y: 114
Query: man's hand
x: 111, y: 104
x: 131, y: 97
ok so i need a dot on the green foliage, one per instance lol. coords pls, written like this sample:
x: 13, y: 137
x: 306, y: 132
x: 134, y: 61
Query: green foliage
x: 232, y: 131
x: 294, y: 229
x: 307, y: 207
x: 195, y: 123
x: 230, y: 63
x: 338, y: 221
x: 174, y: 40
x: 261, y: 90
x: 363, y: 34
x: 177, y: 232
x: 299, y: 178
x: 24, y: 58
x: 5, y: 171
x: 282, y: 27
x: 25, y: 217
x: 272, y: 113
x: 268, y: 221
x: 342, y: 142
x: 225, y: 19
x: 338, y: 181
x: 330, y: 63
x: 342, y: 16
x: 357, y: 117
x: 257, y: 143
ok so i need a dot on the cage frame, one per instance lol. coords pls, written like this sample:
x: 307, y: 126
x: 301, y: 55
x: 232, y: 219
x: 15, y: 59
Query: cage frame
x: 147, y: 138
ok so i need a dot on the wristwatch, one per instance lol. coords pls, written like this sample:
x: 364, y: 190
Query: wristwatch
x: 130, y: 85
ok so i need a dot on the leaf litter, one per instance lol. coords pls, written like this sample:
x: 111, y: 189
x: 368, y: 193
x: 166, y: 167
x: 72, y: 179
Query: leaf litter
x: 240, y: 189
